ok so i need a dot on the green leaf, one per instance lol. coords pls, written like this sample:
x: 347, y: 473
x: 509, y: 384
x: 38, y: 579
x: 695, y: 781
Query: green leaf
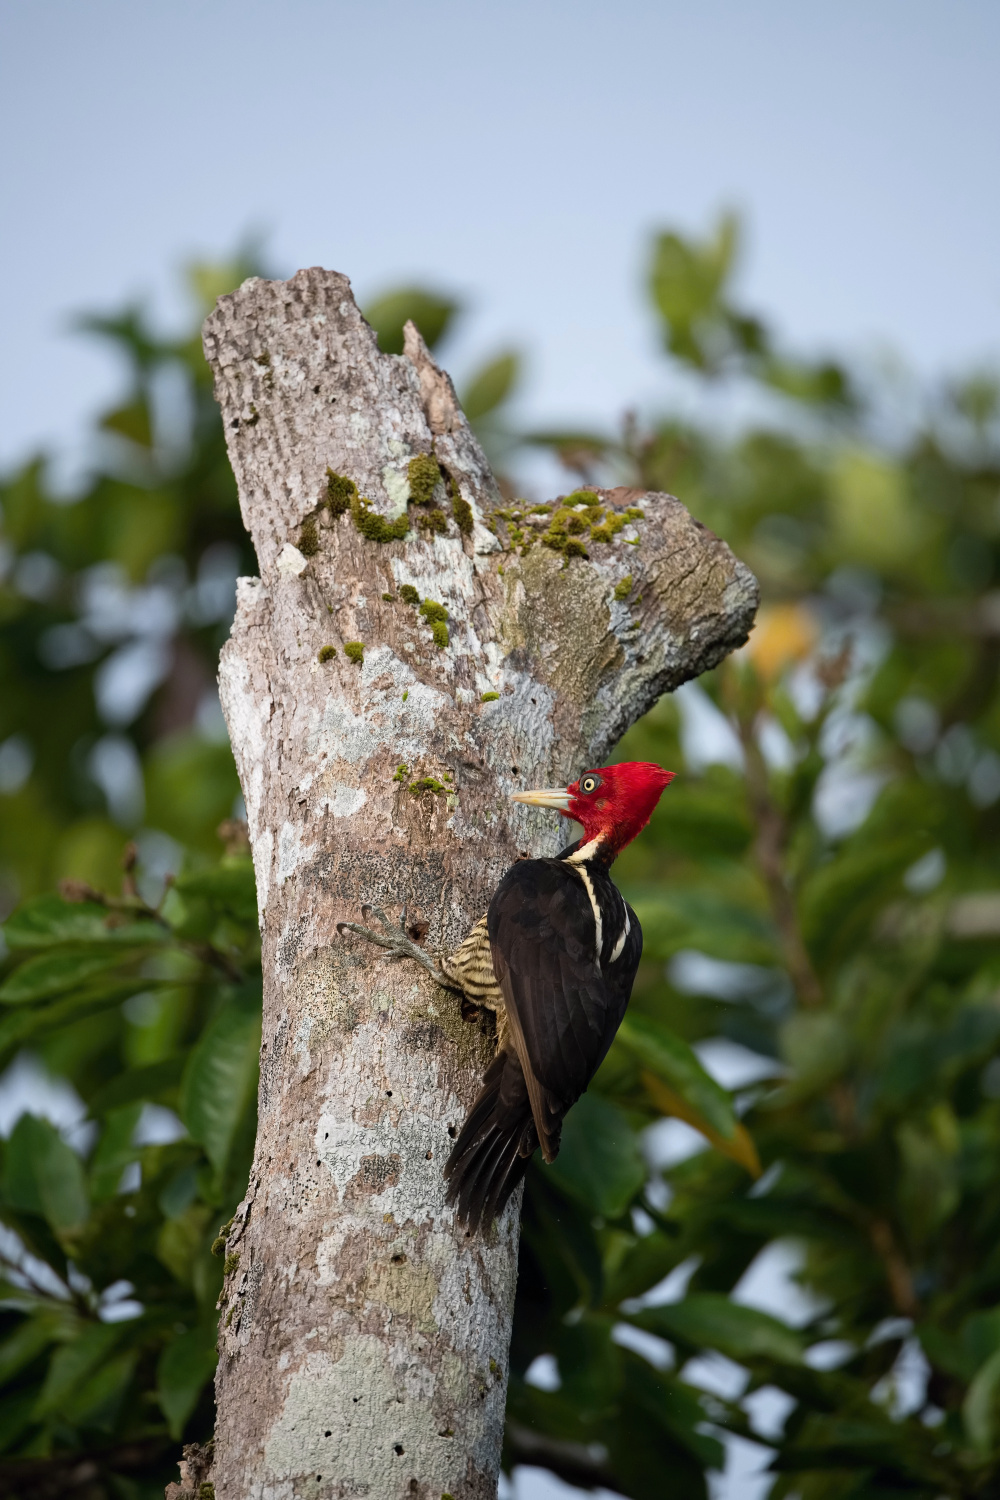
x: 96, y: 1402
x: 840, y: 900
x: 431, y: 313
x: 599, y: 1159
x: 186, y: 1366
x: 75, y: 1363
x: 491, y: 385
x: 42, y: 1175
x: 816, y: 1046
x: 981, y: 1407
x: 25, y: 1022
x: 53, y: 973
x: 709, y: 1320
x: 47, y: 920
x: 688, y: 282
x: 148, y: 1083
x: 114, y: 1152
x: 31, y: 1336
x: 559, y: 1231
x: 671, y: 1059
x: 661, y: 1398
x: 220, y: 1079
x: 230, y: 884
x: 15, y: 1415
x: 704, y: 920
x: 132, y: 421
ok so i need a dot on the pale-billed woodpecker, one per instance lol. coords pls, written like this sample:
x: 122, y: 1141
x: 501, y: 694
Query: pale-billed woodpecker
x: 555, y: 957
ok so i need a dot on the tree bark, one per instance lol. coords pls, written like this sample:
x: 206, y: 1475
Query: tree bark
x: 364, y: 1336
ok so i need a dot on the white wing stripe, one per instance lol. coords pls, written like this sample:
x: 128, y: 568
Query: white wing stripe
x: 599, y: 933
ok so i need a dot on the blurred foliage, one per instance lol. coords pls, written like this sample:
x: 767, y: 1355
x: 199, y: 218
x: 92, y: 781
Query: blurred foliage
x: 819, y: 895
x: 108, y: 1283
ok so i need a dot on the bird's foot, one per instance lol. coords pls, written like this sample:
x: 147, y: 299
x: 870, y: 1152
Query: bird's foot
x: 396, y: 941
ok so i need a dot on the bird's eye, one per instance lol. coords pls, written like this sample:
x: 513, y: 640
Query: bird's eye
x: 589, y: 784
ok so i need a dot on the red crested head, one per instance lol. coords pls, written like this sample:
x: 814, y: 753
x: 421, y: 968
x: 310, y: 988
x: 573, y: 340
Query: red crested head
x: 613, y: 803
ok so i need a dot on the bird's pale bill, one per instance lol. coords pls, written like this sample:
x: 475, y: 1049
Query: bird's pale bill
x: 557, y: 797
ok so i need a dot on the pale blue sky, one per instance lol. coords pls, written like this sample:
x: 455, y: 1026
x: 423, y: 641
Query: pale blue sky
x: 520, y: 153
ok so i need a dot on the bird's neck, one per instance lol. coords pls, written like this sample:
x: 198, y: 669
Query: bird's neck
x: 596, y: 851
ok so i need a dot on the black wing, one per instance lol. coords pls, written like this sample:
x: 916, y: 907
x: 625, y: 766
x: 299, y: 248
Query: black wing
x: 563, y: 1006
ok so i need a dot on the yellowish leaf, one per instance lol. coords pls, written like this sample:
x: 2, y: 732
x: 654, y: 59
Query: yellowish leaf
x: 740, y: 1149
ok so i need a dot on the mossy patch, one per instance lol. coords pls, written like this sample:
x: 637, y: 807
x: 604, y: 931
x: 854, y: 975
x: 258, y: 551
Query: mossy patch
x: 425, y: 476
x: 583, y: 497
x: 389, y: 598
x: 426, y: 784
x: 219, y: 1243
x: 231, y: 1263
x: 408, y: 594
x: 432, y: 611
x: 460, y: 508
x: 309, y: 537
x: 340, y: 492
x: 571, y: 522
x: 439, y: 631
x: 342, y: 495
x: 355, y: 652
x: 489, y: 697
x: 608, y: 527
x: 623, y: 589
x: 375, y: 527
x: 326, y: 653
x: 435, y: 521
x: 402, y: 772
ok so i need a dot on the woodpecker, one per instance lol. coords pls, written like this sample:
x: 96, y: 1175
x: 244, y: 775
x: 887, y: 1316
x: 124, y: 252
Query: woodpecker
x: 555, y: 957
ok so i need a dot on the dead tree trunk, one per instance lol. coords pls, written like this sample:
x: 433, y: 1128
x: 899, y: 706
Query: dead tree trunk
x: 364, y: 1337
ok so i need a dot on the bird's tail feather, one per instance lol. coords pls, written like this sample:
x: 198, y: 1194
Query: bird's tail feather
x: 491, y: 1154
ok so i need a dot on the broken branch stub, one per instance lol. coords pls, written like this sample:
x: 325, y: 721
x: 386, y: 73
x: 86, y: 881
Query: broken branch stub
x: 413, y: 652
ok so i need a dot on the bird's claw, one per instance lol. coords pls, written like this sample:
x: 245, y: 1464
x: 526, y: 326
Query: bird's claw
x: 396, y: 941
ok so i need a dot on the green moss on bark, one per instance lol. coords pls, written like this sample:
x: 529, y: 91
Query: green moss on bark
x: 461, y: 509
x: 309, y: 537
x: 340, y: 492
x: 435, y: 521
x: 425, y: 476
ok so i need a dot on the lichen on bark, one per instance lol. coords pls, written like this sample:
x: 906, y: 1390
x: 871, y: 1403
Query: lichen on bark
x: 363, y: 1335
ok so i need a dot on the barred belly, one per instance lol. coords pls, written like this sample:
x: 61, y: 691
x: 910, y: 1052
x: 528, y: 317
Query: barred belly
x: 471, y: 967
